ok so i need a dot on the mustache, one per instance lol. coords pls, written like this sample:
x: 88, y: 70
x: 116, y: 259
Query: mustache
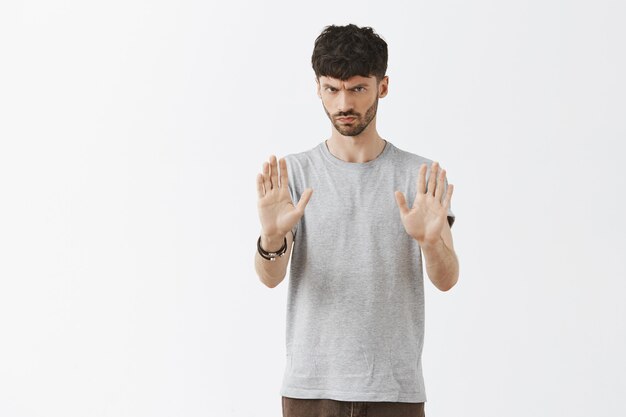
x: 345, y: 115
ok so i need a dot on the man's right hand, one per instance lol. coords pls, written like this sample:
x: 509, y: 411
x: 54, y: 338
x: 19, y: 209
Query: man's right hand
x: 277, y: 213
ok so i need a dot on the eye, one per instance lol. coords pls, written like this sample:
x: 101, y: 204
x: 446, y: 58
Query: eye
x: 359, y: 88
x: 331, y: 89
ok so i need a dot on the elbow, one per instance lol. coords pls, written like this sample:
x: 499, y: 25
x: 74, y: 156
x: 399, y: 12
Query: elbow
x: 270, y: 282
x: 452, y: 280
x: 450, y: 284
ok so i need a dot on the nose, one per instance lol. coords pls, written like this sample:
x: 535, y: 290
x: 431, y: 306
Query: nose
x: 343, y: 101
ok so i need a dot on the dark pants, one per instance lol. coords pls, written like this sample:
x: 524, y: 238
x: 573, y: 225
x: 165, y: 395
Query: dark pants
x: 301, y: 407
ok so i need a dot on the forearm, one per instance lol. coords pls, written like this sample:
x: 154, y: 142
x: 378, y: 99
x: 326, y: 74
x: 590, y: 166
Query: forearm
x: 273, y: 272
x: 442, y: 265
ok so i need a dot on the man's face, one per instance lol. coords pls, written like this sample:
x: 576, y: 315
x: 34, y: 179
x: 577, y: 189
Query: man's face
x: 351, y: 105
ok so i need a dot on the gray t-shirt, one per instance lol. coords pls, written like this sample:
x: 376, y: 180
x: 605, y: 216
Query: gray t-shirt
x: 355, y: 307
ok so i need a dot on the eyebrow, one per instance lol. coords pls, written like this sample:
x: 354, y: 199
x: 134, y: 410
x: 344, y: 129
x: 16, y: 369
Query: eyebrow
x: 358, y: 85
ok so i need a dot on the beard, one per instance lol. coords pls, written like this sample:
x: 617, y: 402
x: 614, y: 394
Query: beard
x: 358, y: 125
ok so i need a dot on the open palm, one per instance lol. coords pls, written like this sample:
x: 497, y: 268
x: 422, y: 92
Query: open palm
x: 277, y: 212
x: 426, y: 219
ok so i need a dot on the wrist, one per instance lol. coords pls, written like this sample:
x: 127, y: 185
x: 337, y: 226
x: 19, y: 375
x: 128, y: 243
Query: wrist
x: 436, y: 245
x: 272, y: 243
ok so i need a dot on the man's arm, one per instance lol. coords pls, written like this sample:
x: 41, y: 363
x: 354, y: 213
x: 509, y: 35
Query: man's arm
x: 273, y: 272
x: 442, y: 264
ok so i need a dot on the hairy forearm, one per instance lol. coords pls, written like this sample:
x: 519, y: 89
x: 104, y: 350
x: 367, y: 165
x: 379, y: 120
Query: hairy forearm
x: 442, y: 265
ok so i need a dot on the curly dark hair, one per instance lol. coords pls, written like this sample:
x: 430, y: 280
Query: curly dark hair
x: 345, y: 51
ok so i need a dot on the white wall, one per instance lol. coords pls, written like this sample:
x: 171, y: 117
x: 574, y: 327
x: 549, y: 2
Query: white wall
x: 131, y: 135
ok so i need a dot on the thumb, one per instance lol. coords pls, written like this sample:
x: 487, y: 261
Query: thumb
x: 401, y: 202
x: 304, y: 199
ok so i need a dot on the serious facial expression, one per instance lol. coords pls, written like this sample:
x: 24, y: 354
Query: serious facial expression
x: 351, y: 104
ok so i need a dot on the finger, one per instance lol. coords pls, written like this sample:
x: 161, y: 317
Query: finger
x: 421, y: 179
x: 434, y: 168
x: 304, y: 199
x: 448, y: 198
x: 266, y: 177
x: 260, y: 188
x: 401, y: 201
x: 274, y: 171
x: 284, y: 176
x: 440, y: 185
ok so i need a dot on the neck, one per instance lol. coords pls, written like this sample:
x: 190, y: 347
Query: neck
x: 361, y: 148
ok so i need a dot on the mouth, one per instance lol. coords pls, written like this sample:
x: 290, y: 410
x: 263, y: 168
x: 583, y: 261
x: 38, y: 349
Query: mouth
x: 346, y: 119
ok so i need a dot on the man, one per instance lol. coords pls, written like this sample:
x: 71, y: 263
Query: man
x: 355, y: 312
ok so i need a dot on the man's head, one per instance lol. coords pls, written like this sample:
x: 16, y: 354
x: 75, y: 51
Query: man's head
x: 350, y: 65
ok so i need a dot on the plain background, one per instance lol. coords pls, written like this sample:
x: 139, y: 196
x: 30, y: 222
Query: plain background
x: 131, y: 136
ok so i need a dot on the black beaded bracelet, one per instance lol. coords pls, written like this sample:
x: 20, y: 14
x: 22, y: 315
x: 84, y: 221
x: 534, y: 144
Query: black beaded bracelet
x: 271, y: 256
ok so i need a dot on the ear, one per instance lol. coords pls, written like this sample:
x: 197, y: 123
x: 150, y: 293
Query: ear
x: 383, y: 87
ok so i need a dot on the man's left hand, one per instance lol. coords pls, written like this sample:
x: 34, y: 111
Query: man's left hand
x: 426, y: 219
